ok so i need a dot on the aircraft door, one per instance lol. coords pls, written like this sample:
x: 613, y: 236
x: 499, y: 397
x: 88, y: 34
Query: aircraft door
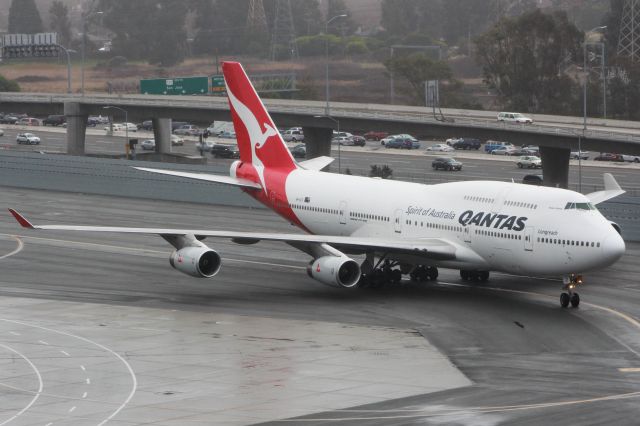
x: 397, y: 221
x: 528, y: 238
x: 467, y: 234
x: 343, y: 212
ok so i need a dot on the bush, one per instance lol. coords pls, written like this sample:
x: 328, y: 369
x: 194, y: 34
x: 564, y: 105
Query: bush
x: 357, y: 47
x: 8, y: 85
x: 384, y: 172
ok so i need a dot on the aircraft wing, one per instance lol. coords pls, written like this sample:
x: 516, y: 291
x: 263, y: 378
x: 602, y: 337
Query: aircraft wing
x: 432, y: 248
x: 611, y: 190
x: 317, y: 163
x: 227, y: 180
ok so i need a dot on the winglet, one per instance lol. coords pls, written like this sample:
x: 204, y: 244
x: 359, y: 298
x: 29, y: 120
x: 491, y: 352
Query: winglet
x: 21, y: 219
x: 611, y: 190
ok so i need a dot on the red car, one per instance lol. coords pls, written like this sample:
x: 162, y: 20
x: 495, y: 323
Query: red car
x: 609, y: 157
x: 375, y: 136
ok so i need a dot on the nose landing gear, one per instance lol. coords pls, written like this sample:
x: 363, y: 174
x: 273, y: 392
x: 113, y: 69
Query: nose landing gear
x: 570, y: 296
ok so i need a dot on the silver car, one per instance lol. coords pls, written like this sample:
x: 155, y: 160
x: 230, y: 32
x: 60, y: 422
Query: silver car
x: 28, y: 138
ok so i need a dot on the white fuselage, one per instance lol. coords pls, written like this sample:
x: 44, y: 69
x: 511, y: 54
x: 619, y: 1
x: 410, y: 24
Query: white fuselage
x: 501, y: 226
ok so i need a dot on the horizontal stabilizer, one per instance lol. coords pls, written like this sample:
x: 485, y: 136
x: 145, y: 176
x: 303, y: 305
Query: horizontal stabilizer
x: 611, y: 190
x: 226, y: 180
x: 317, y: 163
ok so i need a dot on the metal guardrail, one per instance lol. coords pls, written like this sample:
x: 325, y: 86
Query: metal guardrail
x: 339, y: 111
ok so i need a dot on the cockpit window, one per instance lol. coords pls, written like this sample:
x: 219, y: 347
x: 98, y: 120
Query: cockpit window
x: 579, y: 206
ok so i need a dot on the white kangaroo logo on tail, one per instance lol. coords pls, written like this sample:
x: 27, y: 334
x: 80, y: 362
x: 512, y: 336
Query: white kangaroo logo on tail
x: 256, y: 137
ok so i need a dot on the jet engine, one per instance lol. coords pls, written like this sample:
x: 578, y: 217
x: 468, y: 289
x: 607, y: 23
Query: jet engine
x: 335, y: 271
x: 200, y: 262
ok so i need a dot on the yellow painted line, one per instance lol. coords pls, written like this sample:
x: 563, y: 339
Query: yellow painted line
x: 629, y: 370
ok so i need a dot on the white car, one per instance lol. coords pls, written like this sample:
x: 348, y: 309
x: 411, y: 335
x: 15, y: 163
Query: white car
x: 293, y: 135
x: 504, y: 150
x: 583, y: 155
x: 205, y: 146
x: 529, y: 162
x: 148, y: 144
x: 342, y: 140
x: 28, y: 138
x: 514, y: 117
x: 1, y: 132
x: 176, y: 140
x: 121, y: 127
x: 631, y: 158
x: 440, y: 147
x: 452, y: 141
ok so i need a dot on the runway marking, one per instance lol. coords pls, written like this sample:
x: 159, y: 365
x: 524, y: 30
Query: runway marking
x: 15, y: 333
x: 422, y: 412
x: 629, y: 370
x: 88, y: 381
x: 82, y: 367
x: 84, y: 395
x: 17, y: 250
x: 134, y: 379
x: 37, y: 393
x: 65, y: 353
x: 72, y: 409
x: 43, y: 342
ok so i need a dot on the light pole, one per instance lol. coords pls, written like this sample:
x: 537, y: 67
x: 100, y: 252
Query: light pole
x: 586, y: 78
x: 84, y: 41
x: 337, y: 130
x: 327, y: 110
x: 126, y: 124
x: 67, y: 51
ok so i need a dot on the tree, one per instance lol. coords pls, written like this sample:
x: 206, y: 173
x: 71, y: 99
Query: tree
x: 24, y: 17
x: 343, y: 26
x: 384, y: 171
x: 59, y: 14
x: 523, y: 59
x: 147, y: 29
x: 8, y: 85
x: 418, y: 68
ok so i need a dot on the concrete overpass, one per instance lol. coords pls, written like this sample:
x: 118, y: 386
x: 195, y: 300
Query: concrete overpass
x: 555, y: 135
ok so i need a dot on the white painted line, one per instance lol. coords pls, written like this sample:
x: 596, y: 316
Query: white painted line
x: 17, y: 250
x: 15, y: 333
x: 42, y: 342
x: 49, y: 424
x: 65, y: 353
x: 629, y: 370
x: 84, y: 395
x: 37, y: 393
x: 134, y: 379
x: 82, y: 367
x: 88, y: 381
x: 72, y: 409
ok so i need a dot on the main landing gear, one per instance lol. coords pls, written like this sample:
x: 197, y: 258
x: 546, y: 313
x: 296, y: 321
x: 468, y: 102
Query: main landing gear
x: 390, y: 272
x: 474, y: 275
x: 570, y: 297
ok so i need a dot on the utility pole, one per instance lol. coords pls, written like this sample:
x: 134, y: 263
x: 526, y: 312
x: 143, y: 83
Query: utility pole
x: 284, y: 34
x: 629, y: 39
x: 256, y: 19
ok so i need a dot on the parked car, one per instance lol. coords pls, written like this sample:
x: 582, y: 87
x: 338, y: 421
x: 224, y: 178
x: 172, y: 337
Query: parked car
x: 176, y: 140
x: 631, y: 158
x: 95, y: 120
x: 446, y: 163
x: 227, y: 134
x: 530, y: 162
x: 146, y: 125
x: 299, y: 151
x: 451, y: 141
x: 490, y: 145
x: 504, y: 150
x: 1, y: 132
x: 121, y: 127
x: 375, y: 136
x: 401, y: 143
x: 533, y: 180
x: 293, y: 135
x: 440, y: 147
x: 519, y: 152
x: 28, y: 138
x: 148, y: 144
x: 342, y: 140
x: 29, y: 121
x: 54, y: 120
x: 583, y: 155
x: 467, y: 143
x: 514, y: 117
x: 9, y: 119
x: 225, y: 151
x: 609, y: 157
x: 187, y: 130
x: 359, y: 140
x: 177, y: 124
x: 204, y: 146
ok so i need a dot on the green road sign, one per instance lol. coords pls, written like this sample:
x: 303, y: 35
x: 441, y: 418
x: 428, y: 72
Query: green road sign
x: 175, y: 86
x: 217, y: 85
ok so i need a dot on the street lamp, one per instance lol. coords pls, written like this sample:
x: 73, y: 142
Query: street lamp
x: 126, y: 123
x: 84, y: 41
x: 338, y: 130
x: 67, y: 51
x: 327, y: 110
x: 584, y: 84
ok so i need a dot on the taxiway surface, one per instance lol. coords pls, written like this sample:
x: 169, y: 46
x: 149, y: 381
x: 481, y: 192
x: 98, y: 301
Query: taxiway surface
x: 519, y: 358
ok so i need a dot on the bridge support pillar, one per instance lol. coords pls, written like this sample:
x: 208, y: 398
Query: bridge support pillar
x: 76, y: 128
x: 318, y: 141
x: 162, y: 134
x: 555, y: 163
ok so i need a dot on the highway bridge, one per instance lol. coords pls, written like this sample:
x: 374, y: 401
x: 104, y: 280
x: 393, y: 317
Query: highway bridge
x: 555, y: 135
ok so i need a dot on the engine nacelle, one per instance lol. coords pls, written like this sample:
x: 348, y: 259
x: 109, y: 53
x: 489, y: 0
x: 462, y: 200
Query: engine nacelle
x: 335, y: 271
x: 200, y: 262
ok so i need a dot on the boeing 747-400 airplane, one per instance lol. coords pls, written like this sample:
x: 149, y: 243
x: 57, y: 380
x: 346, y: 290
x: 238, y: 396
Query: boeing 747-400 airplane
x: 473, y: 226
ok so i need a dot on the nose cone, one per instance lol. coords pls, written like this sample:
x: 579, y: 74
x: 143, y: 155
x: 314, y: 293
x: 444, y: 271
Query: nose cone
x: 613, y: 248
